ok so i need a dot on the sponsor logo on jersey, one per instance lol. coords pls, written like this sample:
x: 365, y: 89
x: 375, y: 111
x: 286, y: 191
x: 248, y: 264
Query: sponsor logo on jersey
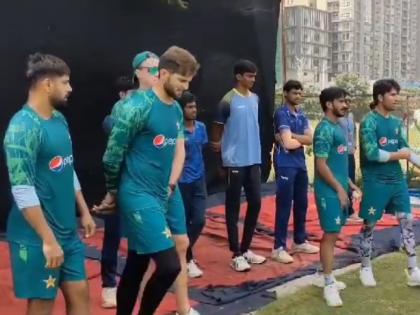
x: 385, y: 141
x: 341, y: 149
x: 160, y: 141
x: 58, y: 163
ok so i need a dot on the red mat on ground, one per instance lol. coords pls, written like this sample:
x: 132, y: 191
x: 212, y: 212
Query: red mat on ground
x: 212, y: 253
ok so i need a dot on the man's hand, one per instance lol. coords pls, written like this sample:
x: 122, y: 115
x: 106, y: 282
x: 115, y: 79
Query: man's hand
x: 171, y: 189
x: 53, y: 254
x: 88, y: 224
x: 404, y: 154
x: 216, y: 146
x: 343, y: 197
x: 107, y: 206
x: 357, y: 194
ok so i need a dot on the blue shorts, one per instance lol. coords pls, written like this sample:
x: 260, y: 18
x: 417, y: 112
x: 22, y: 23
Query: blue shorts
x: 32, y: 280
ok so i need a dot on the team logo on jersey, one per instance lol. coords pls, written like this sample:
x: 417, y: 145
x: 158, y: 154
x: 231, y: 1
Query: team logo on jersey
x: 341, y: 149
x: 160, y: 141
x: 58, y: 163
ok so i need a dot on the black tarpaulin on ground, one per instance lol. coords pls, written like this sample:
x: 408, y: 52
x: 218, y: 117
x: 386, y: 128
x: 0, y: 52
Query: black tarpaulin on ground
x: 99, y: 40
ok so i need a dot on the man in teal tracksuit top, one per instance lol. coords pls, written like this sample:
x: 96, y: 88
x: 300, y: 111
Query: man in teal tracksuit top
x: 45, y: 249
x: 143, y: 163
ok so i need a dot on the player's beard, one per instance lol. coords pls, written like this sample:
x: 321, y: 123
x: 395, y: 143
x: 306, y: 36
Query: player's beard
x: 58, y: 101
x: 170, y: 90
x: 339, y: 113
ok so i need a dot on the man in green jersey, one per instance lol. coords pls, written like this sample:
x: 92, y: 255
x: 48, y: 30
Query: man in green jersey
x: 45, y: 249
x: 146, y: 69
x: 143, y: 162
x: 382, y: 146
x: 145, y: 75
x: 331, y: 183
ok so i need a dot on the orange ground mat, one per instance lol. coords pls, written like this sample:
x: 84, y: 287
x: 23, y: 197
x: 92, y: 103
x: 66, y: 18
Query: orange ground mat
x: 212, y: 253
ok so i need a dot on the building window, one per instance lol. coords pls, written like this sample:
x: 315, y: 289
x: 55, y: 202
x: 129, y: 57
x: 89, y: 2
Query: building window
x: 316, y: 63
x: 316, y: 50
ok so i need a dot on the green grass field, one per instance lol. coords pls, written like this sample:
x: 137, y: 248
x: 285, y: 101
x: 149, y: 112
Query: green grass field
x: 391, y: 297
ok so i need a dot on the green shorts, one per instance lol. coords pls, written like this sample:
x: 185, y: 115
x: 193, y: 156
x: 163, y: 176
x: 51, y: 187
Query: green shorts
x: 379, y: 198
x: 331, y: 216
x: 32, y: 280
x: 176, y: 214
x: 149, y: 222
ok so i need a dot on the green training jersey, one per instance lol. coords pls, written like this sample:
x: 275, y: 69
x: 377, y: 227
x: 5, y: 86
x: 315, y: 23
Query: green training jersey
x: 385, y: 133
x: 330, y: 143
x: 39, y: 160
x: 141, y: 146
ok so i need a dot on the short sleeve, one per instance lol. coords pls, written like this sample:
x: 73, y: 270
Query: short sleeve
x: 129, y: 120
x: 402, y: 135
x: 281, y: 121
x: 223, y: 108
x: 223, y: 112
x: 21, y: 144
x: 180, y: 123
x: 323, y: 141
x: 306, y: 124
x: 205, y: 137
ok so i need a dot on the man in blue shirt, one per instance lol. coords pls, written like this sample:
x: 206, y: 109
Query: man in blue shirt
x: 292, y: 133
x: 192, y: 183
x: 237, y: 136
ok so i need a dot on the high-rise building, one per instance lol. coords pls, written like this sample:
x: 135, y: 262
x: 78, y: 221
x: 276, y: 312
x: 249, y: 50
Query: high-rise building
x: 306, y: 38
x: 318, y: 4
x: 394, y: 39
x: 350, y: 27
x: 418, y: 43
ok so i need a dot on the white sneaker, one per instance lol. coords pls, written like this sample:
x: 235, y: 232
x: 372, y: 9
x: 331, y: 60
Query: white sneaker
x: 191, y: 312
x: 413, y: 278
x: 319, y: 282
x: 281, y: 256
x: 366, y: 277
x: 332, y: 296
x: 109, y: 297
x: 193, y: 270
x: 305, y: 248
x: 240, y: 264
x: 253, y: 258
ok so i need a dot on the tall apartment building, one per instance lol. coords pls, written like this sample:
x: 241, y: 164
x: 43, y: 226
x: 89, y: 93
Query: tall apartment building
x: 307, y: 44
x: 350, y: 27
x: 394, y: 39
x: 418, y: 44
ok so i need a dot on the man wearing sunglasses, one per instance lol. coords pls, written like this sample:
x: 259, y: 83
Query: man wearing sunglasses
x: 146, y: 70
x: 145, y: 75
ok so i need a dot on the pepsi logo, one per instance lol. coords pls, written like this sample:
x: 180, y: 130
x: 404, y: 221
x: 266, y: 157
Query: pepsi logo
x: 383, y: 141
x: 160, y: 141
x: 58, y: 163
x: 341, y: 149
